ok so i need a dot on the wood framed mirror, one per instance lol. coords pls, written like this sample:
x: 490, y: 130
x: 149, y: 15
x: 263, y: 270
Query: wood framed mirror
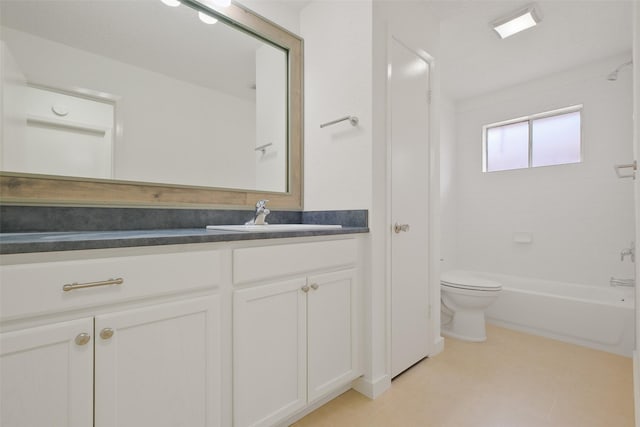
x: 166, y: 150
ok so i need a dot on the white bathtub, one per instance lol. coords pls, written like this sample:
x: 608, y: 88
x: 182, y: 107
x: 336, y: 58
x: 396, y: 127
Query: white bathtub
x: 600, y: 317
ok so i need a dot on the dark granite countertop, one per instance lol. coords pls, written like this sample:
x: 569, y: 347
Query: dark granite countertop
x: 15, y: 243
x: 25, y: 229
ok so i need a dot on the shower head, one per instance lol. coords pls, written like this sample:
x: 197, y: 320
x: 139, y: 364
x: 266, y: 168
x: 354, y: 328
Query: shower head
x: 613, y: 76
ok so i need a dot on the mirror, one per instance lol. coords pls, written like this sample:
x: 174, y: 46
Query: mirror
x: 182, y: 111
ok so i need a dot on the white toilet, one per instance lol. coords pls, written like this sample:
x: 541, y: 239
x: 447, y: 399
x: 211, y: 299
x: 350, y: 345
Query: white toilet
x: 465, y: 297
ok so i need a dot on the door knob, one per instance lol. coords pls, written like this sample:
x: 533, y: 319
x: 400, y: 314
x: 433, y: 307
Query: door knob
x: 106, y: 333
x: 83, y: 338
x: 314, y: 286
x: 400, y: 227
x: 305, y: 288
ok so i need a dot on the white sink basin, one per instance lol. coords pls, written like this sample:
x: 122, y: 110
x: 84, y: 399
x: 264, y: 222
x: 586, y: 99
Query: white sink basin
x: 273, y: 227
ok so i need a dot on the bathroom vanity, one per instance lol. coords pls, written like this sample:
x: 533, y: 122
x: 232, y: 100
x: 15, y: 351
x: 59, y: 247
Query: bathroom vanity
x: 170, y: 324
x: 220, y: 333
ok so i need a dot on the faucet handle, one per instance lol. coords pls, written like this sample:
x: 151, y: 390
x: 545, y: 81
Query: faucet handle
x: 629, y: 251
x: 261, y: 204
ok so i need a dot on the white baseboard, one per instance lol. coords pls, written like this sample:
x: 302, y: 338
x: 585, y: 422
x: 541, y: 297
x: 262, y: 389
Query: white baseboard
x: 636, y: 385
x: 372, y: 389
x: 438, y: 346
x: 315, y: 405
x: 368, y: 388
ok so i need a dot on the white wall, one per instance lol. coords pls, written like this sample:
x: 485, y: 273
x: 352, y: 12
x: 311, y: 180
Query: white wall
x: 277, y: 11
x: 337, y: 68
x: 271, y: 119
x: 448, y: 184
x: 337, y: 159
x: 12, y: 104
x: 148, y: 151
x: 581, y: 215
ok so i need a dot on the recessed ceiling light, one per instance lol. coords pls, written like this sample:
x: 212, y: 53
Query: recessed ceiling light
x: 207, y: 19
x: 172, y: 3
x: 516, y: 22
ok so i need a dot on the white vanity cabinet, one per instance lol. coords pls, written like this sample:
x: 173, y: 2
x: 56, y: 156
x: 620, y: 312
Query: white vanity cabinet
x: 296, y: 328
x: 156, y: 366
x: 222, y: 334
x: 144, y: 352
x: 46, y: 375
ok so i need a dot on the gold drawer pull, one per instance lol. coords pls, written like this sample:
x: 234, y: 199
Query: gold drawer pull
x: 72, y: 286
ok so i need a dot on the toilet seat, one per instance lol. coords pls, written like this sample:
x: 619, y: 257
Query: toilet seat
x: 466, y: 281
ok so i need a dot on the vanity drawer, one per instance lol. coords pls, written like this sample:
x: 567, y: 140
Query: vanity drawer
x: 37, y: 289
x: 265, y: 262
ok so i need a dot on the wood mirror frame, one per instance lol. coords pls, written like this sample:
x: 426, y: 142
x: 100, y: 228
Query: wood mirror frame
x: 32, y: 189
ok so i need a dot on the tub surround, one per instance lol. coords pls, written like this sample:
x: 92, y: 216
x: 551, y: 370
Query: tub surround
x: 27, y: 229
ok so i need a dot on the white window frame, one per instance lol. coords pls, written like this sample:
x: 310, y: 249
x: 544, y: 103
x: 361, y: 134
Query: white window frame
x: 529, y: 119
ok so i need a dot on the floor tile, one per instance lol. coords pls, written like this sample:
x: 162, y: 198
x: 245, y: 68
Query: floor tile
x: 511, y: 380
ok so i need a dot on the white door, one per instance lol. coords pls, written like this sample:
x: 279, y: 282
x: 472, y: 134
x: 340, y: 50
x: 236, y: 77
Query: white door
x: 159, y: 366
x: 269, y: 352
x: 46, y: 375
x: 332, y: 332
x: 409, y: 151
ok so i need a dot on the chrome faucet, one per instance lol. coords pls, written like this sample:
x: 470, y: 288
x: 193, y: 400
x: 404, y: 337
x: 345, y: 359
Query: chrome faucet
x: 261, y: 214
x: 629, y: 251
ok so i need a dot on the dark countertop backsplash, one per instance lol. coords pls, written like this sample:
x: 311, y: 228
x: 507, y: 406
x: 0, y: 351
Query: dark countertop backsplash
x: 26, y: 219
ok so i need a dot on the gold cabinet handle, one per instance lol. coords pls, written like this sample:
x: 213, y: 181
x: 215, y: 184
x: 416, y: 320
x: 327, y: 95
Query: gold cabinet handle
x: 106, y: 333
x: 82, y: 339
x: 305, y: 288
x: 314, y: 286
x: 72, y: 286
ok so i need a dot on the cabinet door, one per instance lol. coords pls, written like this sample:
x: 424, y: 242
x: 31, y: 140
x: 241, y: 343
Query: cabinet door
x: 159, y: 366
x: 46, y: 375
x: 333, y: 332
x: 269, y: 352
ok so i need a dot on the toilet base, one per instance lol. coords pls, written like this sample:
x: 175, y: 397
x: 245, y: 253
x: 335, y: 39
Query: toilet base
x: 467, y: 326
x: 450, y: 334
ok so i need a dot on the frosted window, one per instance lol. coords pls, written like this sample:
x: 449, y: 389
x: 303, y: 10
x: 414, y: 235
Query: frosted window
x: 551, y: 138
x: 508, y: 147
x: 556, y: 140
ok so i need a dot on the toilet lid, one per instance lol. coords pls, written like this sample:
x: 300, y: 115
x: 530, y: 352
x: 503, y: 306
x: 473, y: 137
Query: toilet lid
x: 467, y: 280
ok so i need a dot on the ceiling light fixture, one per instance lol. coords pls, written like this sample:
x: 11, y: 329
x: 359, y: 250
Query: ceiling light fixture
x: 207, y: 19
x: 172, y: 3
x: 516, y: 22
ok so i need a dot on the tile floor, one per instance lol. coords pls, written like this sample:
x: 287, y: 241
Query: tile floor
x: 511, y: 380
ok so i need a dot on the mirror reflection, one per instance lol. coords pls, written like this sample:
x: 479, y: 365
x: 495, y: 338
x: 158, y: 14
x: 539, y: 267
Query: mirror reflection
x: 166, y: 96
